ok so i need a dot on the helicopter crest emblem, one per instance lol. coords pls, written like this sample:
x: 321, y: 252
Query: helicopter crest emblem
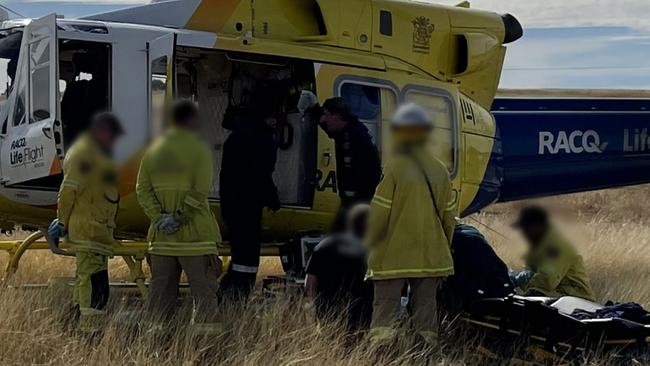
x: 422, y: 29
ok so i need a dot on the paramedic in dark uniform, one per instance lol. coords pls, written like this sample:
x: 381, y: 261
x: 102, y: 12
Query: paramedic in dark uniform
x: 246, y: 187
x: 358, y: 167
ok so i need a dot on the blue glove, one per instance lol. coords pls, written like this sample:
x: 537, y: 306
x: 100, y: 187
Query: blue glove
x: 521, y: 278
x: 168, y: 225
x: 56, y: 230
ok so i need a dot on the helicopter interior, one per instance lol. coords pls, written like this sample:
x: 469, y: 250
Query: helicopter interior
x: 84, y: 84
x: 223, y: 83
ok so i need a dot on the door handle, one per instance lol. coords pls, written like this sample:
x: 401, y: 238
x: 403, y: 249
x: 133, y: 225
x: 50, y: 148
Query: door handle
x: 47, y: 131
x: 455, y: 196
x: 327, y: 158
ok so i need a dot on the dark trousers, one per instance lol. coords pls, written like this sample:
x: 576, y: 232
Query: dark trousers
x: 244, y: 223
x: 356, y: 310
x: 424, y: 307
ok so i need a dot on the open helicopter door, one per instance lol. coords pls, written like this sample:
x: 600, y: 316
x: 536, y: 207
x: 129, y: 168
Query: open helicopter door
x: 32, y: 148
x: 161, y: 85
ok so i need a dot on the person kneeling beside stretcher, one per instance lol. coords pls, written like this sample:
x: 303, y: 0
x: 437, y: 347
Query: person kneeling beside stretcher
x: 553, y: 266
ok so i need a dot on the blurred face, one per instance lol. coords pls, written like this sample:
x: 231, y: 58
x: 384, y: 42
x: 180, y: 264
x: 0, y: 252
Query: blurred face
x: 359, y: 227
x: 105, y: 137
x: 192, y: 123
x: 332, y: 122
x: 534, y: 234
x: 406, y: 136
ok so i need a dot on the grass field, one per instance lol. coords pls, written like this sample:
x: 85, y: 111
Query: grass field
x: 611, y: 229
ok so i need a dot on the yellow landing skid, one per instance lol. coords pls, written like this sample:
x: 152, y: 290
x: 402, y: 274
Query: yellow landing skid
x: 132, y: 252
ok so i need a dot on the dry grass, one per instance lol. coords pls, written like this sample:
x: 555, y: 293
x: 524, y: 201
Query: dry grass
x: 609, y: 227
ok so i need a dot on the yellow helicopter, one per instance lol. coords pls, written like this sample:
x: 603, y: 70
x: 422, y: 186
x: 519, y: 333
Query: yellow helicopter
x: 374, y: 53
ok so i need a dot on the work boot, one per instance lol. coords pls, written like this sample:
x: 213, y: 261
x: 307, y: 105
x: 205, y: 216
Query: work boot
x: 428, y: 338
x: 427, y: 344
x: 92, y: 320
x: 156, y: 328
x: 236, y: 286
x: 382, y: 343
x: 381, y: 335
x: 207, y: 329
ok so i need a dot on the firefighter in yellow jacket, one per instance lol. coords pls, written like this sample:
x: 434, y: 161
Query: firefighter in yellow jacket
x: 412, y: 219
x: 553, y: 266
x: 87, y: 205
x: 175, y: 178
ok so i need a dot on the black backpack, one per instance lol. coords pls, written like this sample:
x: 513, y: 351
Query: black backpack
x: 479, y: 272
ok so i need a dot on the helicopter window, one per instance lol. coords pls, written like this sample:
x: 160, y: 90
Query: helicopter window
x: 364, y: 102
x: 386, y: 23
x: 21, y: 89
x: 443, y: 134
x: 9, y: 50
x: 96, y: 28
x: 39, y: 59
x: 158, y: 93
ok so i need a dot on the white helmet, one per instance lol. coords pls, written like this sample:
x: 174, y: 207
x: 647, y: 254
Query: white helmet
x: 412, y: 115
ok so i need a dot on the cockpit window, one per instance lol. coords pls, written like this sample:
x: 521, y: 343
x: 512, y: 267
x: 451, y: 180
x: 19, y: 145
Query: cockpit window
x: 21, y: 99
x: 96, y: 28
x: 9, y: 49
x: 364, y: 102
x: 40, y: 82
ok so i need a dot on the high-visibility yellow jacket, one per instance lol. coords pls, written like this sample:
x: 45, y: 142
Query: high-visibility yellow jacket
x: 175, y: 177
x: 407, y: 237
x: 88, y: 197
x: 559, y: 269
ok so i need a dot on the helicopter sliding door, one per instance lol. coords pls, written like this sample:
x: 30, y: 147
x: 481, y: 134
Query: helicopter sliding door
x: 32, y: 148
x: 161, y: 73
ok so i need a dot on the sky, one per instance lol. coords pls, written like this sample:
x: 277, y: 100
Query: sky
x: 567, y: 43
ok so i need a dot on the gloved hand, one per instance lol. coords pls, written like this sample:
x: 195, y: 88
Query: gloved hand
x: 307, y: 100
x: 521, y: 278
x: 167, y: 225
x: 56, y: 230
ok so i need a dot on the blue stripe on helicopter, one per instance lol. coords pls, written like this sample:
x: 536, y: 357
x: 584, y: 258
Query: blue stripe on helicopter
x: 555, y: 146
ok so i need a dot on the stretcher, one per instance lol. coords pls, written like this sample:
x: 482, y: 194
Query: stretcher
x: 544, y: 328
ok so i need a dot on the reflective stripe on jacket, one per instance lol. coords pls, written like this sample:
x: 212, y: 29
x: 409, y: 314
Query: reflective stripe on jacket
x: 559, y: 269
x: 88, y: 198
x: 406, y: 236
x: 175, y: 177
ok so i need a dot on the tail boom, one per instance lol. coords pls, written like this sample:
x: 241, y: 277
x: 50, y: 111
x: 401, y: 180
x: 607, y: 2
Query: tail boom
x: 565, y: 145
